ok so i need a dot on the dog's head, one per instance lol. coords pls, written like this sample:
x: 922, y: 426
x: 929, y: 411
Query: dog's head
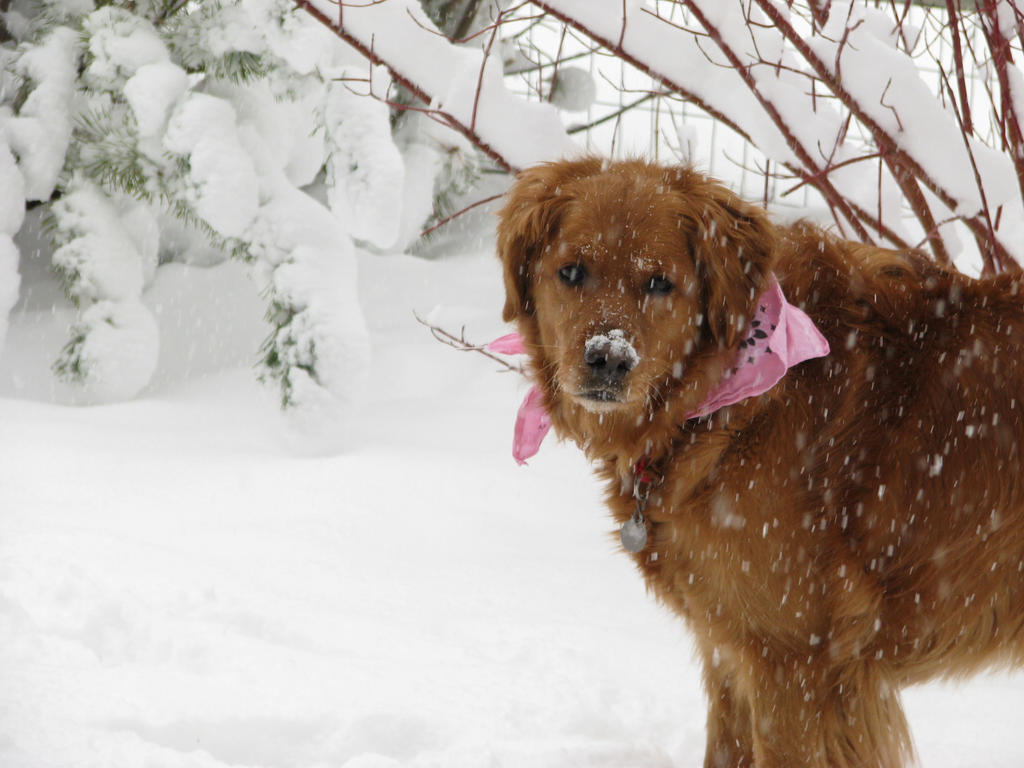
x: 621, y: 275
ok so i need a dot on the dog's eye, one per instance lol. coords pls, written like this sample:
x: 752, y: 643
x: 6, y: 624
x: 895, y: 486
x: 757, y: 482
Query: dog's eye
x: 572, y: 274
x: 659, y: 286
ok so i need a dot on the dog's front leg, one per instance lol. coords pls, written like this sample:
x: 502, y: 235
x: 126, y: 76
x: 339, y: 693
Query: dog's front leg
x: 808, y: 712
x: 730, y: 743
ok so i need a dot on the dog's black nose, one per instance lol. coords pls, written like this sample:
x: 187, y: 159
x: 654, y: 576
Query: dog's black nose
x: 609, y: 356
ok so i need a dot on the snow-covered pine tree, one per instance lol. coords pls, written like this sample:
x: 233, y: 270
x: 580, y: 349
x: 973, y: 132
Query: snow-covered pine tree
x: 160, y: 130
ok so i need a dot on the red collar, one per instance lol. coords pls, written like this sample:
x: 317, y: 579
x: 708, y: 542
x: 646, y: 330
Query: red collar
x: 643, y: 474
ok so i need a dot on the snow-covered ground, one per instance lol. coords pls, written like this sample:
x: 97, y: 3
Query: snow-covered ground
x: 180, y: 587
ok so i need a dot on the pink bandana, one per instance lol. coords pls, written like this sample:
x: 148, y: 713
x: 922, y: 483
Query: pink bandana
x: 781, y: 336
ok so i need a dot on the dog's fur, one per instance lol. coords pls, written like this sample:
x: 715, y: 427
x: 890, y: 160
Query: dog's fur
x: 858, y: 528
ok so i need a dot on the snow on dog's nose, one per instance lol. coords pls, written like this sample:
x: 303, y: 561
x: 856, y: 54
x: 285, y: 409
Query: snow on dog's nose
x: 609, y: 357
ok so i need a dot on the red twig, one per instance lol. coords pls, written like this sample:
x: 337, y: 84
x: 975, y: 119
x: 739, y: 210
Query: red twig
x: 953, y: 10
x: 993, y: 257
x: 847, y: 30
x: 557, y: 61
x: 462, y: 345
x: 455, y: 215
x: 483, y: 66
x: 622, y: 32
x: 891, y: 236
x: 812, y: 179
x: 890, y: 107
x: 820, y: 10
x: 767, y: 177
x: 911, y: 188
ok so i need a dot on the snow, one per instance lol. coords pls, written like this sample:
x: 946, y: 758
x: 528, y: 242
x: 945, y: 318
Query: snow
x: 12, y: 189
x: 139, y: 223
x: 308, y: 268
x: 575, y: 89
x: 422, y: 159
x: 40, y: 134
x: 118, y: 351
x: 120, y: 43
x: 178, y: 589
x: 97, y: 247
x: 424, y: 144
x: 614, y: 345
x: 365, y: 169
x: 307, y: 144
x: 327, y: 332
x: 12, y: 215
x: 203, y: 127
x: 10, y: 280
x: 269, y: 127
x: 523, y: 133
x: 235, y: 30
x: 303, y: 45
x: 108, y: 250
x: 207, y: 599
x: 151, y: 92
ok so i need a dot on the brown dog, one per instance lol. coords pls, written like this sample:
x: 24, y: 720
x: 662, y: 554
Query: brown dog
x: 859, y: 527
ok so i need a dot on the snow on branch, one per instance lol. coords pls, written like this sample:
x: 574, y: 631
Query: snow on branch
x: 836, y: 93
x: 857, y: 100
x: 463, y: 86
x: 921, y: 141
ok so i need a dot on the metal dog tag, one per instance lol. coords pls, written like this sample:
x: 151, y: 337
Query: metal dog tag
x: 634, y: 533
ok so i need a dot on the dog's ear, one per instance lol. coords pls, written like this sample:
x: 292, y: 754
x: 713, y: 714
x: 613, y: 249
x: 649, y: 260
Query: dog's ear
x: 732, y: 244
x: 528, y: 222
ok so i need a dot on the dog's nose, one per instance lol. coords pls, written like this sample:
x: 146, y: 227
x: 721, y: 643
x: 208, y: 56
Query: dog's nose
x: 610, y: 356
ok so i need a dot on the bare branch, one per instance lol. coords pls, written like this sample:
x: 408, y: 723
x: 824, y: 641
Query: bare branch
x: 906, y: 171
x: 994, y: 256
x: 953, y: 10
x: 1009, y: 120
x: 812, y: 179
x: 462, y: 345
x: 824, y: 185
x: 458, y: 213
x: 622, y: 33
x: 612, y: 115
x: 483, y: 66
x: 621, y: 53
x: 820, y: 10
x: 890, y: 107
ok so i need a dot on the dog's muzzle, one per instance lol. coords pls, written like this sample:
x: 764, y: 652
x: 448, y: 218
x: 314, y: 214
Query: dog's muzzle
x: 609, y: 359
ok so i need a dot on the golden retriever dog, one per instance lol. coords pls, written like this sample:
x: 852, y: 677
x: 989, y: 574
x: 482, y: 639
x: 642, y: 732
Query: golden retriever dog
x: 856, y: 528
